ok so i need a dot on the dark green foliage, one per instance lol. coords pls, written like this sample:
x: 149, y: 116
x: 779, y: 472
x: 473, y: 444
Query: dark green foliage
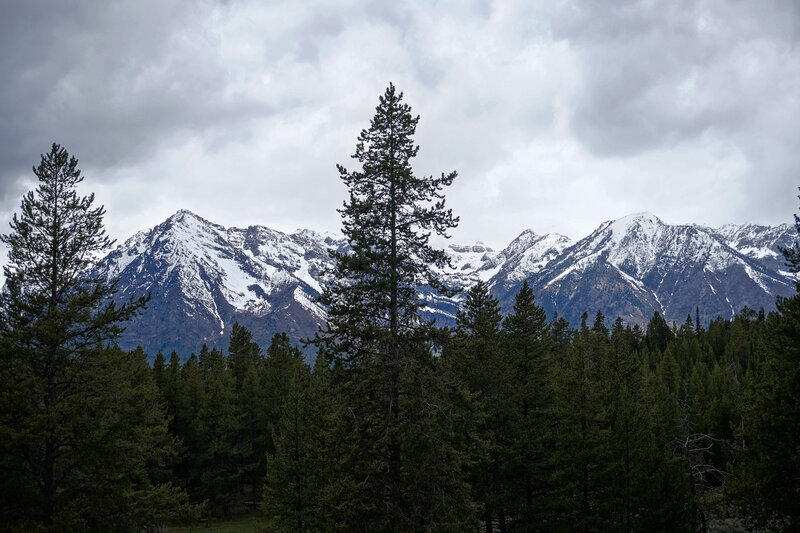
x: 399, y: 470
x: 658, y: 334
x: 475, y: 360
x: 298, y: 470
x: 242, y: 352
x: 159, y: 369
x: 82, y: 436
x: 220, y: 453
x: 282, y: 361
x: 578, y: 437
x: 255, y: 426
x: 766, y: 475
x: 766, y: 480
x: 260, y: 401
x: 387, y: 221
x: 615, y: 462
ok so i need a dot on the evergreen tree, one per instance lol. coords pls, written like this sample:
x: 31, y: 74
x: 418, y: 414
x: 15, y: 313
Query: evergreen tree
x: 658, y: 333
x: 528, y: 342
x: 578, y: 452
x: 766, y: 482
x: 297, y: 471
x: 663, y: 498
x: 220, y: 452
x: 204, y: 360
x: 562, y: 336
x: 170, y: 390
x: 70, y: 457
x: 159, y: 368
x: 254, y: 427
x: 242, y: 351
x: 259, y: 399
x: 400, y: 464
x: 190, y: 397
x: 282, y: 360
x: 476, y: 361
x: 625, y: 435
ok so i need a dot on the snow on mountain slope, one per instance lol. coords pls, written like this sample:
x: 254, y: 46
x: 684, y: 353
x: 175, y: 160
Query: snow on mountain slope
x: 469, y: 263
x: 758, y: 241
x: 636, y: 265
x: 203, y: 276
x: 246, y: 266
x: 527, y: 255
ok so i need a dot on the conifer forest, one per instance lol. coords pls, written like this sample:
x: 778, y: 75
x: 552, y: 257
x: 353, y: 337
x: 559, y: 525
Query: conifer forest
x: 501, y: 423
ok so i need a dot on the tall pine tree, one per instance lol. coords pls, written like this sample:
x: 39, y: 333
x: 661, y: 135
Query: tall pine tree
x: 399, y: 472
x: 61, y: 418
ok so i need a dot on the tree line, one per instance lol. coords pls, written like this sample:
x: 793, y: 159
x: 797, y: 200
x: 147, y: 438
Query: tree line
x: 500, y: 423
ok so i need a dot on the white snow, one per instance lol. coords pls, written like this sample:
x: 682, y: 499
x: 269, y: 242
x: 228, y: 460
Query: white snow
x: 303, y: 299
x: 247, y: 266
x: 646, y: 225
x: 756, y: 276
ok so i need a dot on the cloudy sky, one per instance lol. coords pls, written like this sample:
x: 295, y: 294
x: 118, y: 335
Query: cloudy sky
x: 557, y: 115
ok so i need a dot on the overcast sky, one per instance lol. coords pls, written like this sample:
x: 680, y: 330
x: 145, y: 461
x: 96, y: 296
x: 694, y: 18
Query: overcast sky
x: 557, y: 115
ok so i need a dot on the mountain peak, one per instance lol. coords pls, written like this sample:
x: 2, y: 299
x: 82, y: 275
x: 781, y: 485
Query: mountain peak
x: 183, y: 215
x: 186, y: 225
x: 644, y: 224
x: 523, y: 240
x: 643, y: 217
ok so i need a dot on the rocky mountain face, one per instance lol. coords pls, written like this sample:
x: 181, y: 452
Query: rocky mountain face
x: 203, y: 277
x: 637, y: 265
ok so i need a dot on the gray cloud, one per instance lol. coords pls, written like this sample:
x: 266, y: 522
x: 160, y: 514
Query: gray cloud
x: 656, y: 74
x: 557, y: 115
x: 111, y: 81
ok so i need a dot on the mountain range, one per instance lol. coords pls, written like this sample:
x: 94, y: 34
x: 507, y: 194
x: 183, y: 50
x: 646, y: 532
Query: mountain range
x: 203, y: 277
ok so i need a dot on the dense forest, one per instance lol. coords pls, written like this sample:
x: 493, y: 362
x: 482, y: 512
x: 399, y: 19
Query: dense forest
x: 501, y: 423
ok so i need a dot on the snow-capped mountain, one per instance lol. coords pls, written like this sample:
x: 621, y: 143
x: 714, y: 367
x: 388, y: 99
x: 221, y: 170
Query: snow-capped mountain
x: 637, y: 265
x: 203, y: 277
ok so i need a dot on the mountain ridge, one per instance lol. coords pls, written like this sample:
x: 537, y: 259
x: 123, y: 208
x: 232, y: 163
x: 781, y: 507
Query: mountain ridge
x: 204, y: 276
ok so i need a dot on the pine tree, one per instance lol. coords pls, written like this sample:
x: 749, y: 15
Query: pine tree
x: 658, y: 333
x: 170, y: 391
x: 528, y: 343
x: 282, y: 360
x: 159, y: 368
x: 400, y: 466
x: 578, y: 451
x: 220, y: 452
x: 475, y: 360
x: 765, y: 481
x: 625, y: 435
x: 241, y: 352
x: 190, y: 396
x: 260, y: 398
x: 60, y: 416
x: 296, y: 472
